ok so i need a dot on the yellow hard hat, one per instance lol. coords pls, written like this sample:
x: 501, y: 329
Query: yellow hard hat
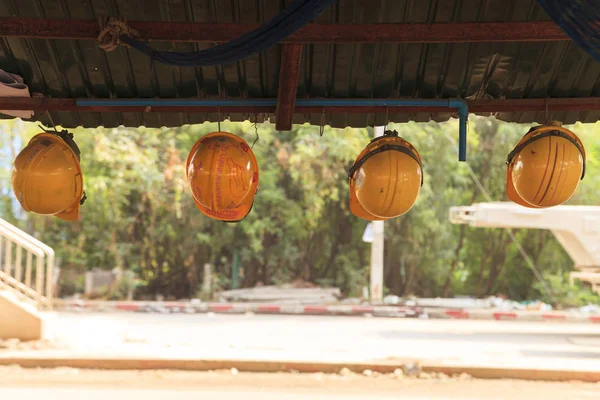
x: 47, y: 178
x: 545, y: 167
x: 385, y: 179
x: 222, y: 172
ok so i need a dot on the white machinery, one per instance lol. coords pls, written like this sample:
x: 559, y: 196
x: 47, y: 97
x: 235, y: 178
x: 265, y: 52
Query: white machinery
x: 577, y: 228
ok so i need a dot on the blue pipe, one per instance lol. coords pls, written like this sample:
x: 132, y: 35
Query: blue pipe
x: 463, y: 117
x: 459, y: 104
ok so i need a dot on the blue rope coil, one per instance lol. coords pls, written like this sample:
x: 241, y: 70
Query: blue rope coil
x: 580, y: 19
x: 295, y: 16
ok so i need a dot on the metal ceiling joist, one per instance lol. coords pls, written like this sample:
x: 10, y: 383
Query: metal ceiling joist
x: 475, y: 106
x: 289, y: 69
x: 536, y: 31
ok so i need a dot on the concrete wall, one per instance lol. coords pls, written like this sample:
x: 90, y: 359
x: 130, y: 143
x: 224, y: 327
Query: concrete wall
x: 18, y: 319
x: 99, y: 279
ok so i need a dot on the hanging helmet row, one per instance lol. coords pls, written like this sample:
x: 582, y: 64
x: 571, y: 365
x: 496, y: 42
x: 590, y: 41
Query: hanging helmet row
x: 543, y: 170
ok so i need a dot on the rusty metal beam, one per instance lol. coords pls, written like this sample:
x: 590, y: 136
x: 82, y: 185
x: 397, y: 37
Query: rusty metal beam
x: 534, y: 31
x: 475, y: 106
x: 289, y: 69
x: 556, y: 104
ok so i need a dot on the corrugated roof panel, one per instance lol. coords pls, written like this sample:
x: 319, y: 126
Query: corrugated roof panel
x: 78, y: 68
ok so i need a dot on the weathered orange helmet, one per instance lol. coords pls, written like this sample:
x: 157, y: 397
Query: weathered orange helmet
x: 47, y: 177
x: 385, y: 179
x: 222, y: 172
x: 545, y: 167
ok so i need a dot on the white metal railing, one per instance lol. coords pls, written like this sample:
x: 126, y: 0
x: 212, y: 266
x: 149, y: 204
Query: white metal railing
x: 35, y: 283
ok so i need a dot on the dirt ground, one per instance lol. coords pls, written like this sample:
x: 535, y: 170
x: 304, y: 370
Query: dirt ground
x: 369, y: 385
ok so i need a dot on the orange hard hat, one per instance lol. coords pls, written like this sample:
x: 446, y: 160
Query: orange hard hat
x: 47, y: 177
x: 222, y: 172
x: 545, y: 167
x: 385, y: 179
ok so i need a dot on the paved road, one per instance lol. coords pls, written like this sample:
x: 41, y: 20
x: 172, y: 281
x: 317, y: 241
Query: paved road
x: 128, y: 394
x: 70, y: 384
x: 346, y: 339
x: 52, y: 393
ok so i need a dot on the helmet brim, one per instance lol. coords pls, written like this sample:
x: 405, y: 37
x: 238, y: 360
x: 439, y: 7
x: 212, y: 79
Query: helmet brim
x: 511, y: 192
x: 357, y: 209
x: 69, y: 215
x: 230, y: 215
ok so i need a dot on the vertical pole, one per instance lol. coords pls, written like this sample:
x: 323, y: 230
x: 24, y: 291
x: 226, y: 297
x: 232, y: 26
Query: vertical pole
x: 235, y: 270
x: 206, y: 283
x: 89, y: 282
x: 377, y: 251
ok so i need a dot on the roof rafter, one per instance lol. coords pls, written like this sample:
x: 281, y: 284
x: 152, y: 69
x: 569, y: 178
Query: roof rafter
x: 464, y: 32
x: 289, y: 68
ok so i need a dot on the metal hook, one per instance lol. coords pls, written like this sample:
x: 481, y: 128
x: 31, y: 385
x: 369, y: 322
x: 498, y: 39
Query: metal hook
x: 322, y: 127
x: 44, y: 129
x: 51, y: 121
x: 219, y: 119
x: 255, y: 131
x: 387, y: 119
x: 53, y: 127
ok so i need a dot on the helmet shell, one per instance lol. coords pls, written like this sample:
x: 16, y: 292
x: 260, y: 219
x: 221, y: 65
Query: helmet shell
x: 47, y: 177
x: 222, y: 173
x: 386, y: 179
x: 545, y: 168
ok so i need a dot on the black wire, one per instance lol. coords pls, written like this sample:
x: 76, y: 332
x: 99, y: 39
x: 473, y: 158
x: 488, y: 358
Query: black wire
x: 256, y: 132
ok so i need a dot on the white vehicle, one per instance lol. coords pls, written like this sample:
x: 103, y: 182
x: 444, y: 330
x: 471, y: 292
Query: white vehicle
x: 577, y: 228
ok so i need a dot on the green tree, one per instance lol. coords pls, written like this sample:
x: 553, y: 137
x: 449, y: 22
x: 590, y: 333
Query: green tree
x: 140, y: 215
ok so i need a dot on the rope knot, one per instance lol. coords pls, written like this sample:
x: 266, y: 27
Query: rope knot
x: 111, y: 31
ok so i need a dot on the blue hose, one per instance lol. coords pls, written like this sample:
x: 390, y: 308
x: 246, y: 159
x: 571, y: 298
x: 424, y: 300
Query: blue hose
x: 295, y: 16
x: 578, y: 19
x: 463, y: 117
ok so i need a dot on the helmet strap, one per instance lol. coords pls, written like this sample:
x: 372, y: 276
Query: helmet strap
x: 385, y: 147
x: 67, y: 137
x: 533, y: 138
x: 244, y: 217
x: 386, y: 134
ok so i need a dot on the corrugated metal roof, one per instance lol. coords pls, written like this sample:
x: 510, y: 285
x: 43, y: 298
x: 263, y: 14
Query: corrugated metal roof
x: 75, y: 69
